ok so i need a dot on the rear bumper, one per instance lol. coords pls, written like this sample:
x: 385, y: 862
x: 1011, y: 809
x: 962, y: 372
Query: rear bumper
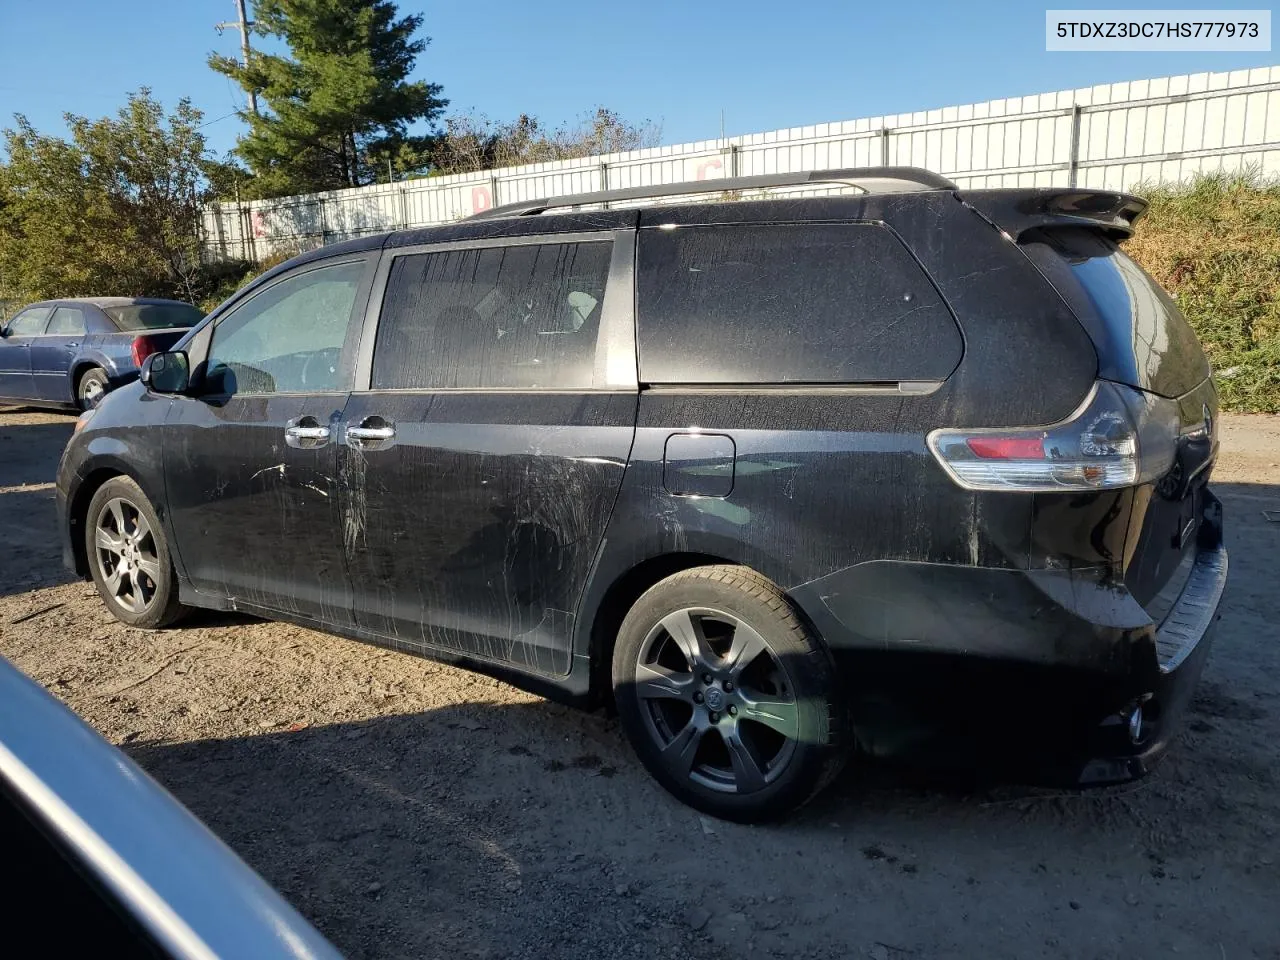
x: 1182, y: 643
x: 1048, y: 664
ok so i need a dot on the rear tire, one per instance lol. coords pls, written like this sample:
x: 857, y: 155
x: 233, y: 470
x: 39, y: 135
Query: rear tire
x: 728, y: 697
x: 91, y: 388
x: 129, y: 557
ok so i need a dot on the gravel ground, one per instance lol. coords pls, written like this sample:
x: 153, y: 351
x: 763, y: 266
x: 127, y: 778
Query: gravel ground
x: 414, y: 810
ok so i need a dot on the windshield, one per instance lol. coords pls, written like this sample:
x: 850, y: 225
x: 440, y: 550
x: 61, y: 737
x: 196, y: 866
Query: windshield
x: 153, y: 316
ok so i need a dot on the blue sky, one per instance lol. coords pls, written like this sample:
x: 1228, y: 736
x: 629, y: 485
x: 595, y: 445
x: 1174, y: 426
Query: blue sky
x: 765, y: 65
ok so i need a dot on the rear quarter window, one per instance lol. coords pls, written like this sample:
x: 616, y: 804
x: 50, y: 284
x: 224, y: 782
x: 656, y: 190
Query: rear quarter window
x: 1141, y: 336
x: 788, y: 303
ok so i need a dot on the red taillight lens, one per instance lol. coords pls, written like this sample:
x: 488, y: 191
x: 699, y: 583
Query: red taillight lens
x: 143, y: 347
x: 1007, y: 448
x: 1119, y: 437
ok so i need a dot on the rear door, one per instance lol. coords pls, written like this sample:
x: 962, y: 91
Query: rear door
x: 251, y: 470
x: 483, y: 459
x: 15, y: 352
x: 51, y: 354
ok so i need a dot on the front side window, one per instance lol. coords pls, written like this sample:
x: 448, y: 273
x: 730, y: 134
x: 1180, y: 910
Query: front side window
x: 519, y: 317
x: 30, y: 323
x: 67, y: 322
x: 289, y: 338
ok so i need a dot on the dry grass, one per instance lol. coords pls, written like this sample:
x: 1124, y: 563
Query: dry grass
x: 1215, y: 244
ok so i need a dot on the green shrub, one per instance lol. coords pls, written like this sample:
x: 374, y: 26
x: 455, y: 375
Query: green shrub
x: 1214, y: 243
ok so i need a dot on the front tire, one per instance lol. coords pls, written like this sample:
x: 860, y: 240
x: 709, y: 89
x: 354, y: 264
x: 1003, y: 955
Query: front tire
x: 129, y: 557
x: 727, y: 697
x: 91, y: 388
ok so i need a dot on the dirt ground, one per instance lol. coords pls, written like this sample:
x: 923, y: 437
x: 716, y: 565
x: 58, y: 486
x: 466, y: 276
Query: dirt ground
x: 415, y: 810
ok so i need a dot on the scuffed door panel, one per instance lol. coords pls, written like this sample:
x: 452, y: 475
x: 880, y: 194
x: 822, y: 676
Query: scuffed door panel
x: 256, y: 518
x: 474, y: 529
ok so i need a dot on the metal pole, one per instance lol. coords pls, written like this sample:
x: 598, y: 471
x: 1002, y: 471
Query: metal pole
x: 243, y: 24
x: 244, y: 50
x: 1073, y: 162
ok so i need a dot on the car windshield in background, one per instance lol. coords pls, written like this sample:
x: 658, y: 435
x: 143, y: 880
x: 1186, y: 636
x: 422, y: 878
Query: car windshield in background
x: 153, y: 316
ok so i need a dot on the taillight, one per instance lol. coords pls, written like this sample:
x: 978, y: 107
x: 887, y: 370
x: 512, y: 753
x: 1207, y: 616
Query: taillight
x: 143, y: 347
x: 1119, y: 437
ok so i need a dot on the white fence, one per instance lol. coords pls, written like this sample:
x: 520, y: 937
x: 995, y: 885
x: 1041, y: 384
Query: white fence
x: 1110, y: 136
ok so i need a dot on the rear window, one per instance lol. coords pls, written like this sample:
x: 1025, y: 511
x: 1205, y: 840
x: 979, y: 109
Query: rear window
x: 153, y: 316
x: 1141, y: 336
x: 788, y: 303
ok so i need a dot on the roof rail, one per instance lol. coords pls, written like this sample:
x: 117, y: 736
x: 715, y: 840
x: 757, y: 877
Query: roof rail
x: 870, y: 179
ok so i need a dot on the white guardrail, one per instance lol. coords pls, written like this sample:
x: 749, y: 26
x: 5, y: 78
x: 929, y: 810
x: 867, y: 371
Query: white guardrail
x: 1111, y: 136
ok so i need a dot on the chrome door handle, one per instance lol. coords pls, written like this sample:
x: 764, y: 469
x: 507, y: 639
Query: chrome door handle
x: 307, y: 433
x: 370, y: 433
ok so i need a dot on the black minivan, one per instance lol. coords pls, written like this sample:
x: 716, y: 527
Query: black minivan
x: 715, y: 461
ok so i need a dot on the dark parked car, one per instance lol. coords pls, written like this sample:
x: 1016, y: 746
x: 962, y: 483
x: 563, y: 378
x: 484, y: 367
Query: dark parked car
x: 68, y: 353
x: 99, y: 861
x: 701, y: 459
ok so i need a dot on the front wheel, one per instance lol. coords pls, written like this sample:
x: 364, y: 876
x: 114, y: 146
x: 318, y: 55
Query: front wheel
x: 728, y: 698
x: 129, y: 557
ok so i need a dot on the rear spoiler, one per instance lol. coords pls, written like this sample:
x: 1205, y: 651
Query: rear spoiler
x: 1018, y: 211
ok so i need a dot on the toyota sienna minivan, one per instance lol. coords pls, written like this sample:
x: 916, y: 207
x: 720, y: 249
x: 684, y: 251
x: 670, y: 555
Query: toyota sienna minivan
x: 696, y: 459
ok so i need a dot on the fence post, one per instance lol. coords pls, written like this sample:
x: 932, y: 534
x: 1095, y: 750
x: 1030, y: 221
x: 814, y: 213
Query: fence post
x: 493, y: 189
x: 730, y: 153
x: 1073, y: 162
x: 246, y: 234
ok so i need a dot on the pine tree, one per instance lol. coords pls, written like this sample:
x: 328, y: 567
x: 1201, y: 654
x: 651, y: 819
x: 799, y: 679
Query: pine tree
x: 341, y: 105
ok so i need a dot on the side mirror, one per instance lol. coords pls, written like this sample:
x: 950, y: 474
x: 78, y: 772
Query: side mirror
x: 166, y: 372
x: 4, y: 331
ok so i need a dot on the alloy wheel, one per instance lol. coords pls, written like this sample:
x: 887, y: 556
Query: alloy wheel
x: 91, y: 391
x: 125, y: 551
x: 717, y: 701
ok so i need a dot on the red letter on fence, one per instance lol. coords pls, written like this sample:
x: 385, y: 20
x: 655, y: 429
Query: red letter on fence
x: 481, y: 199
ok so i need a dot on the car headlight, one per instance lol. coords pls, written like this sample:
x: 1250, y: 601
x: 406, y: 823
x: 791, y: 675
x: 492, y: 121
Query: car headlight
x: 82, y: 421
